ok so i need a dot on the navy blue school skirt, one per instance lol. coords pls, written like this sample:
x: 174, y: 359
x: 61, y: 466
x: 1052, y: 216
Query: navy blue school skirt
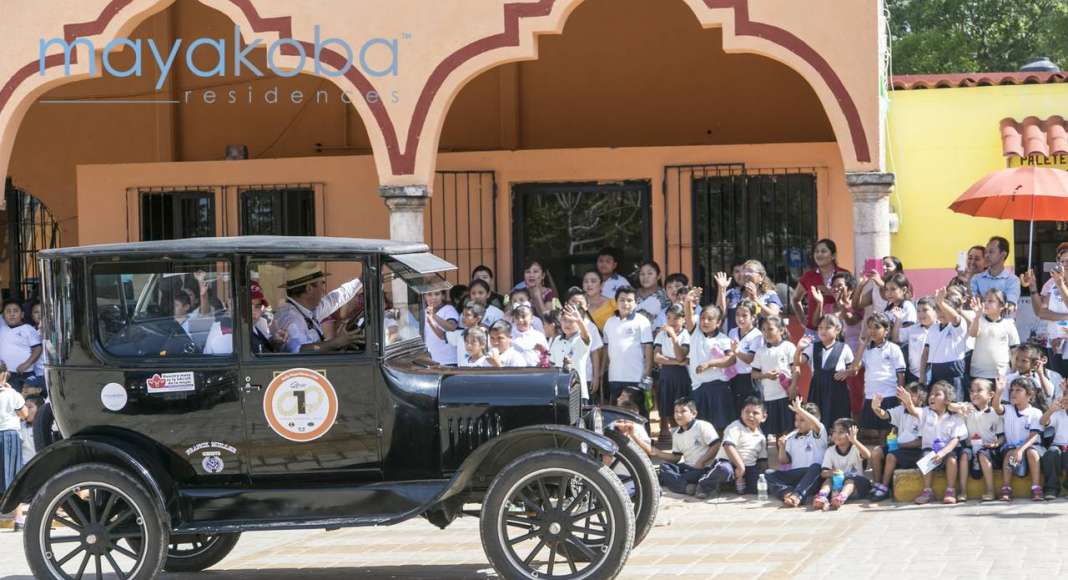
x: 868, y: 418
x: 715, y: 404
x: 674, y: 383
x: 780, y: 417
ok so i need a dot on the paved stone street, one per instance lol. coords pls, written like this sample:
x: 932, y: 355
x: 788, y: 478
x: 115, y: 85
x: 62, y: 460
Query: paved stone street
x: 730, y: 538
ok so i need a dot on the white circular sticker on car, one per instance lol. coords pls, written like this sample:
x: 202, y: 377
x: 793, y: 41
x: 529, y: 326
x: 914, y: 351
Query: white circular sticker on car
x: 300, y: 405
x: 212, y: 464
x: 113, y: 396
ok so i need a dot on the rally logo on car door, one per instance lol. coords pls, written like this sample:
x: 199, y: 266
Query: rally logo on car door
x: 300, y: 405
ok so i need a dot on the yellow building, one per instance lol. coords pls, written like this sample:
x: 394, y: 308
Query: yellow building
x: 944, y: 133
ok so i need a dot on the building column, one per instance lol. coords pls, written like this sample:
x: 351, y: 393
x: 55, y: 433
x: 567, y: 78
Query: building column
x: 871, y: 215
x: 406, y: 205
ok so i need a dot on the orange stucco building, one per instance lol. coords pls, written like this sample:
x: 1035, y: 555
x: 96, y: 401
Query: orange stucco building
x: 692, y: 131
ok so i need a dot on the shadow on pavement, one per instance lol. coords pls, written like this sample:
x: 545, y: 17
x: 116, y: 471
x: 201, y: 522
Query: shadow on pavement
x: 438, y: 572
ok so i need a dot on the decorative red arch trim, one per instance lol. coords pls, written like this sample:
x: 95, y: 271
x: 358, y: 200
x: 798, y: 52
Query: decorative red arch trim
x: 403, y: 162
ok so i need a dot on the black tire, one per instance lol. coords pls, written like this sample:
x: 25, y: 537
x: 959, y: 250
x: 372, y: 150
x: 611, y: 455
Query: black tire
x: 636, y: 471
x: 98, y: 508
x: 43, y: 435
x: 577, y: 483
x: 193, y: 553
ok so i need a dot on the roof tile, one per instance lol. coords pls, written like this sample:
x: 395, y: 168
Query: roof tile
x: 1034, y: 136
x: 964, y: 80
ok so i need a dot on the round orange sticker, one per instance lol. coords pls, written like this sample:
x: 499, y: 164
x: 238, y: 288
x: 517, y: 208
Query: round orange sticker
x: 300, y: 405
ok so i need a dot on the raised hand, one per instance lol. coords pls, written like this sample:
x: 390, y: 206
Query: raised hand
x: 1027, y: 278
x: 805, y: 342
x: 817, y: 295
x: 751, y: 290
x: 877, y: 401
x: 902, y: 395
x: 853, y: 431
x: 722, y: 280
x: 976, y: 304
x: 694, y: 296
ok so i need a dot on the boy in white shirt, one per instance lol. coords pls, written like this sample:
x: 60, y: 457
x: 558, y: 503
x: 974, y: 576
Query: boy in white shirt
x: 913, y: 339
x: 694, y: 444
x: 472, y: 317
x: 20, y: 347
x: 502, y: 354
x: 843, y: 465
x: 529, y: 341
x: 800, y: 458
x: 441, y: 318
x: 946, y: 344
x: 743, y: 455
x: 1055, y: 460
x: 908, y: 449
x: 572, y: 348
x: 629, y: 338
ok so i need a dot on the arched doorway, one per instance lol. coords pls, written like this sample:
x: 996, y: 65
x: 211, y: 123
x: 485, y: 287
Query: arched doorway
x: 29, y: 227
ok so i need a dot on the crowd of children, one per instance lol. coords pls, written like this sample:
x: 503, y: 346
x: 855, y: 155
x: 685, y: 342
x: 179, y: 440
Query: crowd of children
x: 22, y: 388
x: 939, y: 383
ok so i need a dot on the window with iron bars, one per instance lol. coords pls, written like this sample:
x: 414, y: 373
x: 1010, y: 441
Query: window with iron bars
x: 177, y: 214
x: 280, y: 211
x: 765, y: 215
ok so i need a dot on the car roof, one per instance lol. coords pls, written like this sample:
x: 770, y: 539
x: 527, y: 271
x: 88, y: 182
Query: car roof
x: 243, y: 245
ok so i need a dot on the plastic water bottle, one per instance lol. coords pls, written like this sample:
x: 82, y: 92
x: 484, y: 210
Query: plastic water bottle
x: 838, y: 480
x: 891, y: 441
x: 762, y: 488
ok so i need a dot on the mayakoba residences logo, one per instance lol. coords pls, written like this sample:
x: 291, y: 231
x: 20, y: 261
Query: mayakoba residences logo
x: 376, y: 58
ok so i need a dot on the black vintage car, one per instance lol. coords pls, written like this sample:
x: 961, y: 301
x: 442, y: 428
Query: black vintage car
x: 186, y: 422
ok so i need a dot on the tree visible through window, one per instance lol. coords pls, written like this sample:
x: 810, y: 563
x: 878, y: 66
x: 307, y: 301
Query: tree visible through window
x: 278, y: 212
x: 175, y: 215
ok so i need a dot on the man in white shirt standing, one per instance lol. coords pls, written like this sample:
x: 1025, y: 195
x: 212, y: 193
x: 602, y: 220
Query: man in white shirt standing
x: 308, y: 304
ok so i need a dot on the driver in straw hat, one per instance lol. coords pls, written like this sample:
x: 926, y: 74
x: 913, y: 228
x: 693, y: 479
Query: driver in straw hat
x: 308, y: 304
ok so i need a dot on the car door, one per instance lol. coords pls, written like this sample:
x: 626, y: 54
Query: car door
x: 308, y: 413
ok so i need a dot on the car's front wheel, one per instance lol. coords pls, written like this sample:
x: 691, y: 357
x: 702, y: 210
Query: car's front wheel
x: 557, y: 514
x: 93, y: 519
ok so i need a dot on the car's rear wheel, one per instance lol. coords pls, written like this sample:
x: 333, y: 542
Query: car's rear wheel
x: 93, y: 519
x: 635, y: 470
x: 557, y: 514
x: 44, y: 431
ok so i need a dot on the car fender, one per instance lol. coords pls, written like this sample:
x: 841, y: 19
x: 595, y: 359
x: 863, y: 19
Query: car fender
x: 70, y: 452
x: 483, y: 464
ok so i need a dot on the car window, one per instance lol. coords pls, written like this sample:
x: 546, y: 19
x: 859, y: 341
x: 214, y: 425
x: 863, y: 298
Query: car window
x: 402, y: 303
x: 163, y: 308
x: 307, y: 307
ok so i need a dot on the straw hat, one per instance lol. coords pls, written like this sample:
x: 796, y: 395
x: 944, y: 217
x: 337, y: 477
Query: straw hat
x: 302, y: 273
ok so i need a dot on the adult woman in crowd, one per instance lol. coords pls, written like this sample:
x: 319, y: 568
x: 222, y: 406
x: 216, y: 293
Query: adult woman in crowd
x: 539, y: 284
x: 825, y: 260
x: 754, y: 285
x: 600, y: 307
x: 652, y: 299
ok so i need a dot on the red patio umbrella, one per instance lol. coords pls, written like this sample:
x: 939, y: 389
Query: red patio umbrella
x: 1019, y: 193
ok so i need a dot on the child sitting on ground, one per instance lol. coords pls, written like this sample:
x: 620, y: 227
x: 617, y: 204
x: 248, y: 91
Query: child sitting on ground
x: 1055, y: 459
x: 940, y: 432
x: 800, y: 458
x: 1023, y: 431
x: 843, y: 468
x: 743, y: 454
x: 907, y: 450
x: 694, y: 444
x: 502, y: 354
x: 980, y: 453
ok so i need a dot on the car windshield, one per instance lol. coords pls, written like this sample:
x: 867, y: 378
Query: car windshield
x: 402, y: 292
